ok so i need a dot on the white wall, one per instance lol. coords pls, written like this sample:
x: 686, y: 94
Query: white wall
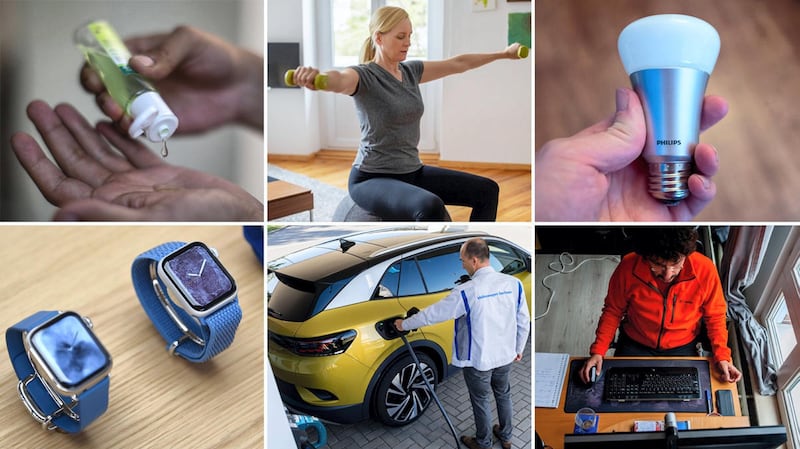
x: 292, y: 114
x: 46, y: 64
x: 485, y: 114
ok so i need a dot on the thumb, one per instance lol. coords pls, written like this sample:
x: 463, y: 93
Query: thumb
x: 613, y: 144
x: 161, y: 60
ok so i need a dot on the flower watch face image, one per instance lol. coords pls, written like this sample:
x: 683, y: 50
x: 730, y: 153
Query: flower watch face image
x: 199, y: 276
x: 69, y: 350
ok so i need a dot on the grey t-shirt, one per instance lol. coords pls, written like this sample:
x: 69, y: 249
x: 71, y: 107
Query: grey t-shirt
x: 389, y: 113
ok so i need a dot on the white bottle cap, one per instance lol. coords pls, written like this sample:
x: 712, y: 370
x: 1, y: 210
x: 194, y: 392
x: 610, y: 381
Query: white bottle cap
x: 152, y: 117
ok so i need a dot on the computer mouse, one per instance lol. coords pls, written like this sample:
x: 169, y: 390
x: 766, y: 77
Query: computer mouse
x: 593, y: 375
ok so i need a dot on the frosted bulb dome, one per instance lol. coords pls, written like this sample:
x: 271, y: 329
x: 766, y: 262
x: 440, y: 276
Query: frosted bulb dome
x: 668, y: 41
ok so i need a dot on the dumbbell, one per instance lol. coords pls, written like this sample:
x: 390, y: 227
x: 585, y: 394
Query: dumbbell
x: 522, y: 52
x: 320, y: 81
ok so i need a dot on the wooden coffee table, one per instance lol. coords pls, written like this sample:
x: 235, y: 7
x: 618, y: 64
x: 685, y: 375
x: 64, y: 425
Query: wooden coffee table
x: 285, y: 198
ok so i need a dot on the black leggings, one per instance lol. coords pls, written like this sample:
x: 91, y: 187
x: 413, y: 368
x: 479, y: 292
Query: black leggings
x: 422, y: 194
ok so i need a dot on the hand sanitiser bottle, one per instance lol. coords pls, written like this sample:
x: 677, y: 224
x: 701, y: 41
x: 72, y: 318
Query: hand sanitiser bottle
x: 107, y: 54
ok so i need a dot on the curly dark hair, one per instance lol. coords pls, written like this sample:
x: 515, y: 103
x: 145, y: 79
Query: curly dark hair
x: 667, y: 243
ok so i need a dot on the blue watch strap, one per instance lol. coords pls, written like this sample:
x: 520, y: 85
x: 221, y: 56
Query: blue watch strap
x: 91, y: 403
x: 217, y: 330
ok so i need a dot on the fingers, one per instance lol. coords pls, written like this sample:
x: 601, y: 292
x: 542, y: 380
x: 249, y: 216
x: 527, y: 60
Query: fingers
x: 305, y: 76
x: 137, y: 154
x: 90, y: 80
x: 613, y: 144
x: 71, y: 141
x: 161, y: 54
x: 715, y: 108
x: 702, y: 188
x: 56, y: 187
x: 113, y: 110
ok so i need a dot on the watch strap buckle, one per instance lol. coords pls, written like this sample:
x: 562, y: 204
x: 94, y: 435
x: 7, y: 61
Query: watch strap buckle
x: 46, y: 420
x: 182, y: 327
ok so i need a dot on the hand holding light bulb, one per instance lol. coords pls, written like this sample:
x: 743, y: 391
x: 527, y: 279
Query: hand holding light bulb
x: 669, y: 58
x: 598, y: 174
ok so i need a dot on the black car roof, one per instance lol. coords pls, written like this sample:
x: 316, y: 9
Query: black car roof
x: 325, y: 260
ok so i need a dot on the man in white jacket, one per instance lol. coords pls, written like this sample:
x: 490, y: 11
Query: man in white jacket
x: 491, y: 330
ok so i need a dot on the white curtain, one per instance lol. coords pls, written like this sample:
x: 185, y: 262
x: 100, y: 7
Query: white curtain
x: 741, y: 261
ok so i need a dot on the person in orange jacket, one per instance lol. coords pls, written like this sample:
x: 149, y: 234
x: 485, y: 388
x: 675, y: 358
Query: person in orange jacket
x: 658, y: 296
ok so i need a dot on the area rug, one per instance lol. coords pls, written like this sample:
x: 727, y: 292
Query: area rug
x: 326, y: 196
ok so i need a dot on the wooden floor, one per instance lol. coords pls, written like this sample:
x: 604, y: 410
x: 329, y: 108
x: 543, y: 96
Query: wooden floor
x: 569, y: 325
x: 577, y: 70
x: 515, y: 185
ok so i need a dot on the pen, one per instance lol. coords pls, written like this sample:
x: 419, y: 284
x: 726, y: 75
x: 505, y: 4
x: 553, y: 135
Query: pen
x: 709, y: 405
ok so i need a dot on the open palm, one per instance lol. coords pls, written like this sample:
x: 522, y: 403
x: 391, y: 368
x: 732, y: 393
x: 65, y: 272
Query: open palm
x: 91, y: 181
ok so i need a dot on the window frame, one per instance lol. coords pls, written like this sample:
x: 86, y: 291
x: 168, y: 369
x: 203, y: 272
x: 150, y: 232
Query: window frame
x: 784, y: 284
x: 339, y: 128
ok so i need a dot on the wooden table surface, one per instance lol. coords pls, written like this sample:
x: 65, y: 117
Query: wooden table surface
x: 156, y: 400
x: 285, y: 198
x: 552, y: 423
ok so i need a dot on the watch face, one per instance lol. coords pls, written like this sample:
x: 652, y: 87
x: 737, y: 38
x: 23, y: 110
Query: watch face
x: 70, y: 350
x: 199, y: 276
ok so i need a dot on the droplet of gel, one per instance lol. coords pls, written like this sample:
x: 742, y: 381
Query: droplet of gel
x: 164, y: 149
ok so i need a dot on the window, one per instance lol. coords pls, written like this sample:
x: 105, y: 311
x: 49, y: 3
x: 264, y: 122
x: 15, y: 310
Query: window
x: 441, y: 269
x: 350, y: 27
x: 505, y: 259
x: 430, y: 272
x: 779, y: 325
x: 779, y: 311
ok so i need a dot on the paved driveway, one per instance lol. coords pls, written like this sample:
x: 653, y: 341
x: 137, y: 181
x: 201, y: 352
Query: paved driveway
x: 431, y: 430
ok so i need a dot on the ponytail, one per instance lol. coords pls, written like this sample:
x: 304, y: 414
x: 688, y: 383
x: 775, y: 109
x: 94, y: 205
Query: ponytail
x: 367, y: 51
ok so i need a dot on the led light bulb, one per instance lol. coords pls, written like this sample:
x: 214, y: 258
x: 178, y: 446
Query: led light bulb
x: 669, y: 59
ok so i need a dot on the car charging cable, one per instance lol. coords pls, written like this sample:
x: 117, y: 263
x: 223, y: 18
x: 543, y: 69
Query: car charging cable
x: 387, y: 329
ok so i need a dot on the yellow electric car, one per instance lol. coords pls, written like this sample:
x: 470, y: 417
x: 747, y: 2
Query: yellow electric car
x: 324, y: 302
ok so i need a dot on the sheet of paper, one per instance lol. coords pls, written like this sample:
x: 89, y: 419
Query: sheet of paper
x: 549, y: 375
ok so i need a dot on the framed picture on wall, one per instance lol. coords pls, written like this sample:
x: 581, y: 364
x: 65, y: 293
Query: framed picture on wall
x: 483, y: 5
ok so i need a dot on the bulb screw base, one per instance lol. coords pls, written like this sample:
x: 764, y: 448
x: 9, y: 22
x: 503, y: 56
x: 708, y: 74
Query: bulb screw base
x: 669, y: 181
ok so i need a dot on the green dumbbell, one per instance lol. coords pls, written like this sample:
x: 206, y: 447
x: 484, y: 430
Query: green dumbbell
x: 522, y: 52
x: 320, y: 81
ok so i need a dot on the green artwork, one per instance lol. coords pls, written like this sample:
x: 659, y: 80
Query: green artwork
x: 519, y: 28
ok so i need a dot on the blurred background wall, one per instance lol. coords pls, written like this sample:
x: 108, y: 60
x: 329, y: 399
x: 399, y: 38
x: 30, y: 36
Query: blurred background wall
x: 577, y: 70
x: 38, y: 60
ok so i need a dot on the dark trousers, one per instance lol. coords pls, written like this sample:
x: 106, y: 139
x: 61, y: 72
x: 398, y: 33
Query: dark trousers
x: 626, y: 347
x: 481, y: 386
x: 422, y: 194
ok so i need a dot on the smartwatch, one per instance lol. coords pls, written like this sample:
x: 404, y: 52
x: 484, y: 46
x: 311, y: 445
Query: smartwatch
x: 189, y: 296
x: 62, y: 367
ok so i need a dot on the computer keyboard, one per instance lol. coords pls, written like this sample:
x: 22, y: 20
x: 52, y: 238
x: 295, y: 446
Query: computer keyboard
x: 668, y: 383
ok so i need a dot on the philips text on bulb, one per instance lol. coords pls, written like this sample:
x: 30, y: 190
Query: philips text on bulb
x: 669, y: 59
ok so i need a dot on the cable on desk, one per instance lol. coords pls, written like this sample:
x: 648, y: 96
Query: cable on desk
x: 563, y: 266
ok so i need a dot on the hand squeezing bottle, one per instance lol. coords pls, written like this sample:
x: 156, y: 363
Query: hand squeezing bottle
x: 107, y: 54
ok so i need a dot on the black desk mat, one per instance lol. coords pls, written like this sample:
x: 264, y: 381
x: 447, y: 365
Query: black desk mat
x: 580, y: 395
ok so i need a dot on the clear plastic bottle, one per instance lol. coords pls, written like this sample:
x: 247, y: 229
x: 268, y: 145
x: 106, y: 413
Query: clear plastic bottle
x: 107, y: 54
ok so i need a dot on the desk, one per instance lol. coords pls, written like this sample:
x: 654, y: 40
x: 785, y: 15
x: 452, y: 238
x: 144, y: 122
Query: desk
x: 284, y: 198
x: 552, y: 423
x: 156, y: 400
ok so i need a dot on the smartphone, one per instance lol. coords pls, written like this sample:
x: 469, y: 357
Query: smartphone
x: 725, y: 403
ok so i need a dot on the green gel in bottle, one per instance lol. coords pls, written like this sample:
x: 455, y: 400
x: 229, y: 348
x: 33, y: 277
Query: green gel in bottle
x: 107, y: 54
